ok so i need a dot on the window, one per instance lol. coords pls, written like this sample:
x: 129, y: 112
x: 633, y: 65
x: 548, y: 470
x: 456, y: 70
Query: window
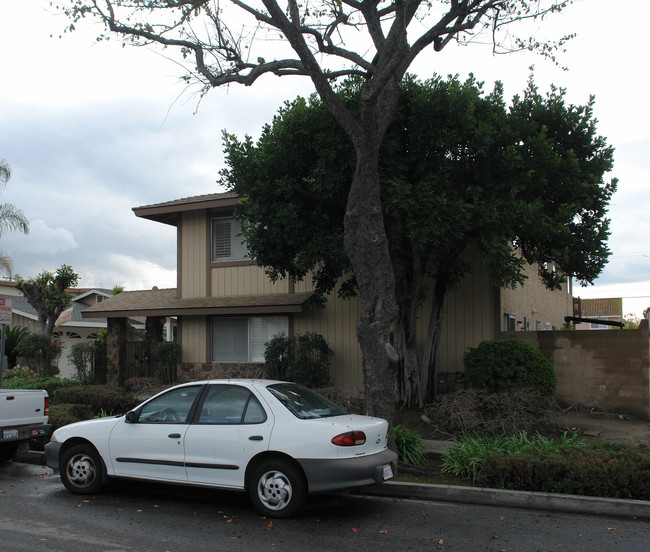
x: 509, y: 322
x: 170, y: 408
x: 245, y: 339
x: 230, y: 404
x: 227, y: 240
x: 303, y: 403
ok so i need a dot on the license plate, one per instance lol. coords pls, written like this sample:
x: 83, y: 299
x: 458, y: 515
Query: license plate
x: 10, y: 434
x: 388, y: 472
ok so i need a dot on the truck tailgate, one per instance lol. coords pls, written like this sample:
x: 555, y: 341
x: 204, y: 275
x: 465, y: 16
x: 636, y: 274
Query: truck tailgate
x: 22, y: 407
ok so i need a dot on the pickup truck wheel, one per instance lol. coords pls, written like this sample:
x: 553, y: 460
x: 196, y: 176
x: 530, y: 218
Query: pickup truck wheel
x: 81, y: 470
x: 8, y: 451
x: 277, y: 488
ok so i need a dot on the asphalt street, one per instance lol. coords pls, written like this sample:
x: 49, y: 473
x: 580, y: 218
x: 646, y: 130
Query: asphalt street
x: 38, y: 514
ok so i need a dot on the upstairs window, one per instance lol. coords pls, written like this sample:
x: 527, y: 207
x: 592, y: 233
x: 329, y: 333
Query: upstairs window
x: 227, y: 241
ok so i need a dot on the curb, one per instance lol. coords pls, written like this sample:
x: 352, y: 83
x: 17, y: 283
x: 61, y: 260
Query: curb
x: 496, y: 497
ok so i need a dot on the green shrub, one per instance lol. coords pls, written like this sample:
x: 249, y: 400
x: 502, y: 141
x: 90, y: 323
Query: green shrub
x: 19, y: 380
x: 81, y: 355
x: 303, y: 358
x: 468, y: 455
x: 612, y: 471
x: 13, y: 338
x: 506, y: 364
x: 410, y: 448
x: 41, y: 352
x: 107, y: 398
x: 64, y: 414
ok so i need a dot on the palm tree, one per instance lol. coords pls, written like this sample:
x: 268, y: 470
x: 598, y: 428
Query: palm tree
x: 12, y: 219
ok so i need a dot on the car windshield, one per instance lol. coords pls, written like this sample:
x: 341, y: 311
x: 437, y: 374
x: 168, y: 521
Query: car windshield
x: 303, y: 403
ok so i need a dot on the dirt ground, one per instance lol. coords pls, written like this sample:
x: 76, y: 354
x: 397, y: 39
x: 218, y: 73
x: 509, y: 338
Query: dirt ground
x: 608, y: 427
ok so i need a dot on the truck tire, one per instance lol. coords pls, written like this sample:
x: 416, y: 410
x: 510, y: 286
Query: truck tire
x: 8, y: 451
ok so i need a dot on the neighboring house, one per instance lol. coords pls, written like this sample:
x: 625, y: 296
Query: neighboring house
x: 71, y: 327
x: 227, y: 308
x: 600, y: 311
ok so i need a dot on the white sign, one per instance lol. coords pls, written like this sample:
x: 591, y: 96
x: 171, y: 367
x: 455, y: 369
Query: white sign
x: 5, y: 311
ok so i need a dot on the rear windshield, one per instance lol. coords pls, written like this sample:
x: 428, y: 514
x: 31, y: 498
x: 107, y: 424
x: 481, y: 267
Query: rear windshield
x: 303, y: 403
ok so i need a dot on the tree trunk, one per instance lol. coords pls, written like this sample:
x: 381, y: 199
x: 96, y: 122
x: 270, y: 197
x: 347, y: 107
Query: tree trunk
x: 367, y: 246
x: 410, y: 392
x: 429, y: 358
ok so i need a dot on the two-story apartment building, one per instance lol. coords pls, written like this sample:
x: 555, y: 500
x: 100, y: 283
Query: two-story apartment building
x: 227, y: 308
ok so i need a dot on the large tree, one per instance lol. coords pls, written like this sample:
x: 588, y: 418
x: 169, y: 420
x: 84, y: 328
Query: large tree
x: 457, y: 169
x: 239, y: 41
x: 12, y: 219
x: 48, y: 294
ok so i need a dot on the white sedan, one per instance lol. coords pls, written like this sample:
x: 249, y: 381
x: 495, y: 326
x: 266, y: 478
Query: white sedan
x: 278, y: 441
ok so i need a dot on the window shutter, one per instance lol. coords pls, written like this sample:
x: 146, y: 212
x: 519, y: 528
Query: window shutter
x: 221, y: 239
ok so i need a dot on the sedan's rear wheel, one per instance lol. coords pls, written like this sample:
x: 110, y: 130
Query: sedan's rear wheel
x: 81, y: 470
x: 277, y: 488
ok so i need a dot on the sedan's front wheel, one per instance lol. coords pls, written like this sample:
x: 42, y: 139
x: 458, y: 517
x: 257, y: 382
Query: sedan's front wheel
x: 277, y: 488
x: 81, y: 470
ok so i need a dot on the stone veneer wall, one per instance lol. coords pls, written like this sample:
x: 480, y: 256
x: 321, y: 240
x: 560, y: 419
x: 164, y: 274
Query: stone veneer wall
x: 605, y: 369
x: 197, y: 371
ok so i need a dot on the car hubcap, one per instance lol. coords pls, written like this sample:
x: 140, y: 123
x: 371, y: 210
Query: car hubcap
x: 274, y: 490
x: 81, y: 470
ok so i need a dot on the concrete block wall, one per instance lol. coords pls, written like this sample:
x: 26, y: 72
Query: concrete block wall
x: 605, y: 369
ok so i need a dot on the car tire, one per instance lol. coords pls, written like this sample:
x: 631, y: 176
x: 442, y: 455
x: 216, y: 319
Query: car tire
x: 81, y: 470
x: 277, y: 488
x: 8, y: 451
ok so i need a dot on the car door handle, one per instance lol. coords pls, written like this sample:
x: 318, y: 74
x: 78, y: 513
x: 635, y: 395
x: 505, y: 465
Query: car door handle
x: 174, y: 435
x: 256, y: 438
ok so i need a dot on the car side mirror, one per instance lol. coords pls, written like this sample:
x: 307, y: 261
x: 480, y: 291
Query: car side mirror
x: 131, y: 417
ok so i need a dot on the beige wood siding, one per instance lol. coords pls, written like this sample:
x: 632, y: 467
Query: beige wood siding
x: 243, y: 280
x: 194, y: 253
x: 194, y: 336
x: 337, y: 324
x: 469, y: 317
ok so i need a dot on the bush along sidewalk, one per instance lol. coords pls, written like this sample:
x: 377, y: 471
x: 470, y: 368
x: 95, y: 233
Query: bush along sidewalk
x: 564, y: 465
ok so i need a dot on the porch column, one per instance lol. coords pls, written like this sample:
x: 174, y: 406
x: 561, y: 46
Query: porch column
x: 116, y: 350
x: 153, y: 329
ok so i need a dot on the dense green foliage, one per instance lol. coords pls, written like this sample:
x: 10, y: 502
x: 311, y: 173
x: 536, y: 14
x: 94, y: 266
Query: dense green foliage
x: 613, y: 471
x: 506, y: 364
x: 467, y: 457
x: 302, y: 358
x: 41, y: 352
x: 21, y: 380
x: 107, y: 398
x: 457, y: 169
x: 48, y: 294
x: 81, y: 355
x: 410, y: 447
x: 13, y: 338
x: 64, y: 414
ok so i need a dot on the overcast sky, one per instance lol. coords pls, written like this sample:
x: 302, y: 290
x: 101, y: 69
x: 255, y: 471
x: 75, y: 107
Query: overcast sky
x: 92, y: 130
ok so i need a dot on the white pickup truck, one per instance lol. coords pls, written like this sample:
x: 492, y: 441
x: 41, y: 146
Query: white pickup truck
x: 23, y: 416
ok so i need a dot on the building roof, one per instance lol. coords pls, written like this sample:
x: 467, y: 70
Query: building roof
x: 601, y: 308
x: 168, y: 212
x: 164, y: 302
x: 20, y: 304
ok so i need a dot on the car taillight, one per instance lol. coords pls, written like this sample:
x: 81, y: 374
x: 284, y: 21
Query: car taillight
x: 47, y: 406
x: 350, y: 439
